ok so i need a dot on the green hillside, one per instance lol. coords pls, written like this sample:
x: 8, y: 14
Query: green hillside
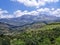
x: 35, y: 34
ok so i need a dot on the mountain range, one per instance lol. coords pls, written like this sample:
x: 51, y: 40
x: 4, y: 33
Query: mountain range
x: 28, y: 19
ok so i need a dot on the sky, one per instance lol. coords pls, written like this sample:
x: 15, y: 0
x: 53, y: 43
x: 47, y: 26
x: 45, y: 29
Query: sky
x: 17, y: 8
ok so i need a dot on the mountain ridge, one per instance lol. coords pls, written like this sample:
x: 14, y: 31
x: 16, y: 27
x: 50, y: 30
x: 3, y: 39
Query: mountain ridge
x: 27, y: 19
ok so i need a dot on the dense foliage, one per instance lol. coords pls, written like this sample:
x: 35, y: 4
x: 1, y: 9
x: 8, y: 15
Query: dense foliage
x: 46, y: 35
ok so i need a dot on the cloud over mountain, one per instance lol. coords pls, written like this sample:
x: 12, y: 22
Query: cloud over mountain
x: 19, y: 13
x: 52, y: 11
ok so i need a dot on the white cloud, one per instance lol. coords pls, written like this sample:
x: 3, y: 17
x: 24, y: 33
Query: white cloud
x: 3, y: 11
x: 51, y: 1
x: 36, y: 3
x: 19, y: 13
x: 52, y: 11
x: 4, y: 14
x: 56, y: 12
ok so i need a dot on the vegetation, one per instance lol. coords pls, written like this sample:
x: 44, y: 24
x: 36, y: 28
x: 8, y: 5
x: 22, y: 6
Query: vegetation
x: 42, y: 35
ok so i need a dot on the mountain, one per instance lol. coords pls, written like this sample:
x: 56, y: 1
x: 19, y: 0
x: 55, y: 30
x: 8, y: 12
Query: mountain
x: 11, y: 29
x: 27, y: 19
x: 4, y: 28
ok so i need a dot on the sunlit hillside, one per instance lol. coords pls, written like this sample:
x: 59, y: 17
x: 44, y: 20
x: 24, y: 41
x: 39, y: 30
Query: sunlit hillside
x: 35, y: 34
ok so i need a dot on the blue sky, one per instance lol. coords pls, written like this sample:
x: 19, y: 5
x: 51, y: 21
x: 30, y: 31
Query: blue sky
x: 27, y: 6
x: 13, y: 6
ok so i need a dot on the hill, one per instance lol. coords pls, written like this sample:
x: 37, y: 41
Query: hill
x: 33, y: 34
x: 7, y: 28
